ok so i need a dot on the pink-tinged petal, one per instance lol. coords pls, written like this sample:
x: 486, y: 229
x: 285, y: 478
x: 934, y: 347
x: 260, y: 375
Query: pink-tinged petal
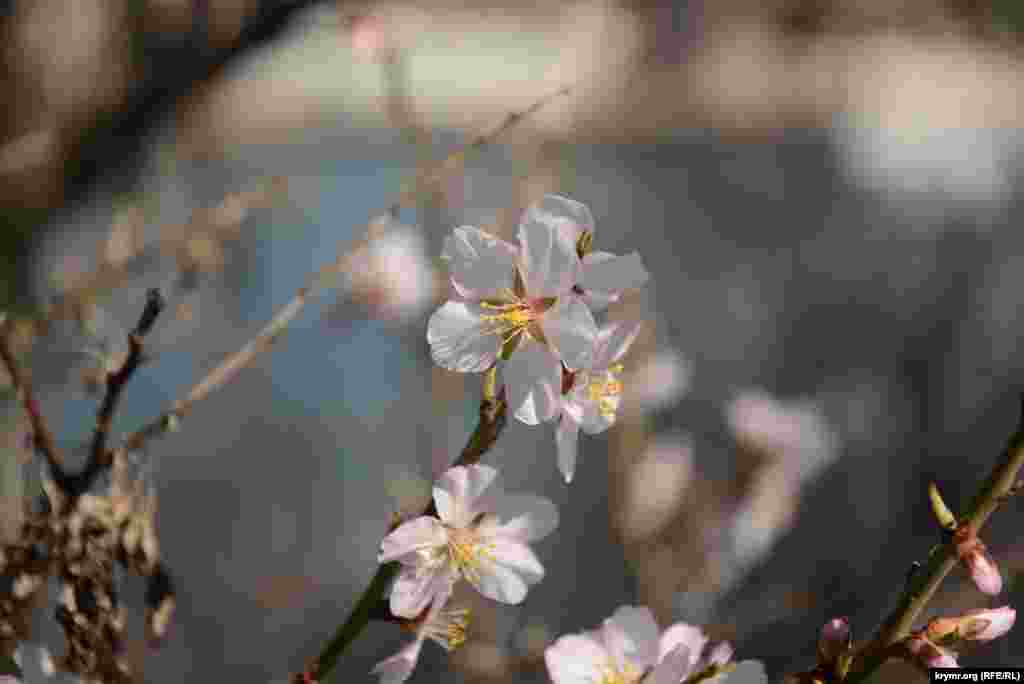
x: 570, y: 328
x: 984, y: 571
x: 613, y: 341
x: 459, y: 491
x: 988, y: 623
x: 460, y: 339
x: 631, y: 637
x: 506, y: 571
x: 747, y: 672
x: 673, y: 668
x: 525, y: 517
x: 566, y: 440
x: 564, y: 215
x: 598, y: 301
x: 615, y: 275
x: 416, y: 587
x: 410, y: 537
x: 575, y: 659
x: 686, y: 635
x: 399, y: 667
x: 481, y: 265
x: 533, y: 377
x: 548, y: 255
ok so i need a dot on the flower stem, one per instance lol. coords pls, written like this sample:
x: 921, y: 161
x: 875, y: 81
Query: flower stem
x: 926, y: 581
x: 492, y: 422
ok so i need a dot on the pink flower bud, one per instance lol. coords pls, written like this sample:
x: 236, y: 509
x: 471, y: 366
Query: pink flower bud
x: 987, y: 624
x: 928, y: 654
x: 980, y: 565
x: 835, y: 640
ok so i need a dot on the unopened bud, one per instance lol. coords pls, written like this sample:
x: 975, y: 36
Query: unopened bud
x: 928, y: 654
x: 986, y: 624
x: 835, y: 640
x: 980, y: 565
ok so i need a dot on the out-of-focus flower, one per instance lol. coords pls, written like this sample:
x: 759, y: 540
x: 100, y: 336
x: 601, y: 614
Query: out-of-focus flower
x: 927, y: 654
x: 592, y: 395
x: 627, y: 649
x: 659, y: 381
x: 792, y: 430
x: 517, y: 304
x: 392, y: 274
x: 445, y: 627
x: 482, y: 535
x: 369, y: 36
x: 984, y: 624
x: 656, y: 486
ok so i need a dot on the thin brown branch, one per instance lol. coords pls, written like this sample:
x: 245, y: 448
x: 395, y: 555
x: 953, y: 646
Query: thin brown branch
x: 99, y: 455
x: 42, y: 437
x: 322, y: 279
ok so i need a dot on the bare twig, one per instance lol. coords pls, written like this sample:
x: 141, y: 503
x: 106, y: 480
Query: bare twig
x: 926, y: 581
x: 99, y: 455
x: 42, y: 437
x: 321, y: 280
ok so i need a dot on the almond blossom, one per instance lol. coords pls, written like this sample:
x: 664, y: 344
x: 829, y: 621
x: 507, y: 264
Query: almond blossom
x: 445, y: 627
x: 528, y: 305
x: 481, y: 534
x: 591, y: 395
x: 627, y: 649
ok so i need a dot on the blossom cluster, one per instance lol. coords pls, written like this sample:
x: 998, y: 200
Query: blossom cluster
x: 532, y: 308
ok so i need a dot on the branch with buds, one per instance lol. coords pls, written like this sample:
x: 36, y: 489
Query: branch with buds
x: 80, y: 536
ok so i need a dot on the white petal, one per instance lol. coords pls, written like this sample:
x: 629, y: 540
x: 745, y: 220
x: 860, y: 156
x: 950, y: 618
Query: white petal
x: 399, y: 667
x: 566, y: 437
x: 613, y: 341
x: 548, y: 255
x: 525, y: 517
x: 673, y: 668
x: 631, y: 636
x: 533, y: 379
x: 505, y: 573
x: 565, y: 215
x: 614, y: 275
x: 459, y: 491
x: 575, y: 659
x: 571, y: 330
x: 460, y: 340
x: 685, y: 635
x: 420, y: 533
x: 481, y: 264
x: 416, y: 587
x: 747, y: 672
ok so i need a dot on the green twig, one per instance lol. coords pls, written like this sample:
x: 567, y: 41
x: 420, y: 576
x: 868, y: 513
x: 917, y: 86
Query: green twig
x: 926, y: 581
x: 492, y: 422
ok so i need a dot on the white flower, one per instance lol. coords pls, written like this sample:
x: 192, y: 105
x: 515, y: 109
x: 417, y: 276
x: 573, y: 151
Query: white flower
x: 441, y: 625
x: 516, y: 303
x: 392, y: 274
x: 627, y: 649
x: 592, y: 395
x: 603, y: 276
x: 481, y: 536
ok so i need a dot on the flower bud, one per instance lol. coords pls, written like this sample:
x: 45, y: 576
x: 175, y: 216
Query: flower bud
x: 928, y: 654
x: 986, y: 624
x: 980, y: 565
x: 835, y: 640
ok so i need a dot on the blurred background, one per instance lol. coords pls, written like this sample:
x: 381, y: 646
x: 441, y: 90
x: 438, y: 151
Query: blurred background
x: 825, y: 193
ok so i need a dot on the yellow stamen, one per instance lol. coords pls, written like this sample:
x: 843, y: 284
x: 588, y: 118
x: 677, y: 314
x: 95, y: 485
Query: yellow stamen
x: 604, y: 389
